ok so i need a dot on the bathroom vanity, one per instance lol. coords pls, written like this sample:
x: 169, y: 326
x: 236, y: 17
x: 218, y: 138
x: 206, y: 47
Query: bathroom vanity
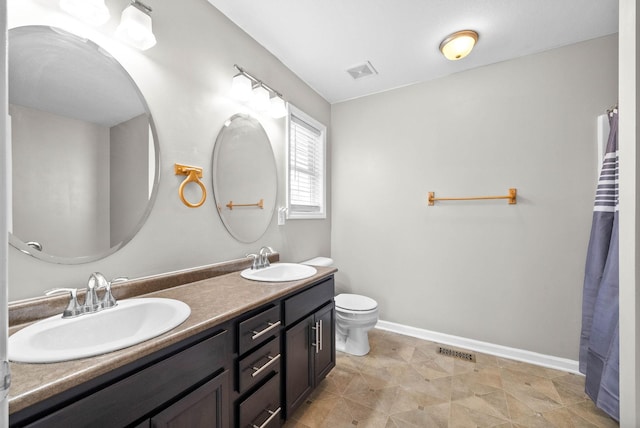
x: 248, y: 355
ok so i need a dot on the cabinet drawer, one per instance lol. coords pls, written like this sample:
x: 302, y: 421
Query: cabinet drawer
x: 258, y: 329
x: 306, y: 302
x: 139, y: 394
x: 262, y: 408
x: 259, y: 364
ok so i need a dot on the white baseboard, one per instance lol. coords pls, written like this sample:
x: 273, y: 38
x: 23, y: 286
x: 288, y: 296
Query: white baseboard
x: 548, y: 361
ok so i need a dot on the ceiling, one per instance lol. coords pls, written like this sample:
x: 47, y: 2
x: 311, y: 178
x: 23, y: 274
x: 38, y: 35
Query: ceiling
x: 54, y: 71
x: 320, y: 40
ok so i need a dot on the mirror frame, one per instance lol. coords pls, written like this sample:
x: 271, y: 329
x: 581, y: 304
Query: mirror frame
x: 20, y: 245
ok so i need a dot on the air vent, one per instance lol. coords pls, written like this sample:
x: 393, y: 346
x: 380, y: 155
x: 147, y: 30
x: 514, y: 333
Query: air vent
x: 362, y: 70
x: 467, y: 356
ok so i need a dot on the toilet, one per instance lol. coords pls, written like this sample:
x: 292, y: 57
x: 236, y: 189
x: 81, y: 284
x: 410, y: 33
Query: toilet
x: 355, y: 316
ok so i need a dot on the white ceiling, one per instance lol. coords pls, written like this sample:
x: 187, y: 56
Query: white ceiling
x: 320, y: 39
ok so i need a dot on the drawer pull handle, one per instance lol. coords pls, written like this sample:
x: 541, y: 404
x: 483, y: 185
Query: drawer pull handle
x: 320, y: 335
x: 259, y: 370
x: 273, y: 414
x: 257, y: 334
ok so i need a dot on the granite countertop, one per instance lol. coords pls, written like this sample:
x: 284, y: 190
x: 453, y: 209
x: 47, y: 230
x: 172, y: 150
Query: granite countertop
x: 213, y: 301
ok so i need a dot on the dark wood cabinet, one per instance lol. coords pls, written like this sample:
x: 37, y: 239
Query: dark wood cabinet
x: 132, y: 395
x: 251, y: 371
x: 309, y: 343
x: 299, y: 363
x: 207, y: 406
x: 262, y: 408
x: 258, y: 367
x: 325, y: 352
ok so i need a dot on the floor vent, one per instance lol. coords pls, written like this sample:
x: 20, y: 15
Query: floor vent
x: 467, y: 356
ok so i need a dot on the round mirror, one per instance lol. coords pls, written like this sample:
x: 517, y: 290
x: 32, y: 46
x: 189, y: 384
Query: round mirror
x: 245, y: 181
x: 84, y: 152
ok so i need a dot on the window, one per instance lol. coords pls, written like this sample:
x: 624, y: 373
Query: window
x: 306, y: 139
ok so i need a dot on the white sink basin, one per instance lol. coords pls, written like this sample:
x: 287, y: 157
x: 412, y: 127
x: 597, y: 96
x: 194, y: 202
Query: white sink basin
x: 280, y: 272
x: 132, y: 321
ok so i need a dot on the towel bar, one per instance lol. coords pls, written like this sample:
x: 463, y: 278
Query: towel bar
x: 512, y: 197
x: 259, y: 204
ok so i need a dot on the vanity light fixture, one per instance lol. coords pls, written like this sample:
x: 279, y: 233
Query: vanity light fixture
x: 135, y: 26
x: 278, y: 109
x: 93, y: 12
x: 241, y: 87
x: 459, y: 44
x: 262, y: 98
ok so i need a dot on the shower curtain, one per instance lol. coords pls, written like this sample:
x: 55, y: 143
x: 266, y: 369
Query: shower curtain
x: 599, y: 341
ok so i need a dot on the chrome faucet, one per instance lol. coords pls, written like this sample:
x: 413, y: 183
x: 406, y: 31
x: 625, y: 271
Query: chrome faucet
x: 261, y: 260
x: 92, y: 303
x: 264, y: 256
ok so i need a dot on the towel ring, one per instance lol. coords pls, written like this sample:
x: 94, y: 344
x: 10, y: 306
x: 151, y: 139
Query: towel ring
x: 193, y: 174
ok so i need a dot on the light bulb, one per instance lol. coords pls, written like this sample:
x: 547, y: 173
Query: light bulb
x: 241, y: 87
x: 136, y: 28
x: 277, y: 108
x: 260, y: 101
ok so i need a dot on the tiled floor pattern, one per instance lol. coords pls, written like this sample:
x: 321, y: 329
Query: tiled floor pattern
x: 404, y: 383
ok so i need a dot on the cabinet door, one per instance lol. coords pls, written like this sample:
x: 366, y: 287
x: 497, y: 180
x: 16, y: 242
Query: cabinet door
x: 207, y: 406
x: 298, y: 363
x: 325, y: 349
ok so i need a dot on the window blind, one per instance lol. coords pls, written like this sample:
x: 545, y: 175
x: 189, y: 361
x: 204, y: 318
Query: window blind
x: 306, y: 167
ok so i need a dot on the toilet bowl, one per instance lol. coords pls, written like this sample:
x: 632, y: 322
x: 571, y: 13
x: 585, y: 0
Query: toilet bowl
x: 355, y: 316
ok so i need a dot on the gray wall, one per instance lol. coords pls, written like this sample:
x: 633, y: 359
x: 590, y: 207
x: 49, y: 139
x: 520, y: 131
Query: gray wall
x: 186, y: 80
x: 128, y: 176
x: 509, y: 275
x: 73, y: 218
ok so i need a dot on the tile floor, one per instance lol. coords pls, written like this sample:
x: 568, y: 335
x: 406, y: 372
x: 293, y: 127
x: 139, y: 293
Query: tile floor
x: 404, y: 383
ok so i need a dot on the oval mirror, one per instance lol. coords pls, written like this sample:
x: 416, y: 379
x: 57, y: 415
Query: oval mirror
x: 84, y: 152
x: 245, y: 180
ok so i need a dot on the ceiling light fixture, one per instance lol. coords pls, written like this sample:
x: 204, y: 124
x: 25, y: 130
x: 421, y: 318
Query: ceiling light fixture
x: 93, y: 12
x: 459, y: 44
x: 136, y: 26
x: 262, y: 98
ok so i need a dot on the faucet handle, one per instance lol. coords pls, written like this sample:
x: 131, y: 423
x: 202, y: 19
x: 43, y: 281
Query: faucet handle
x: 256, y: 261
x: 73, y: 308
x: 108, y: 301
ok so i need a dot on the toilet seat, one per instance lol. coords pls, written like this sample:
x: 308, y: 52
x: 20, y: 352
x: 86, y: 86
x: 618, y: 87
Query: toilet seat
x: 355, y: 303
